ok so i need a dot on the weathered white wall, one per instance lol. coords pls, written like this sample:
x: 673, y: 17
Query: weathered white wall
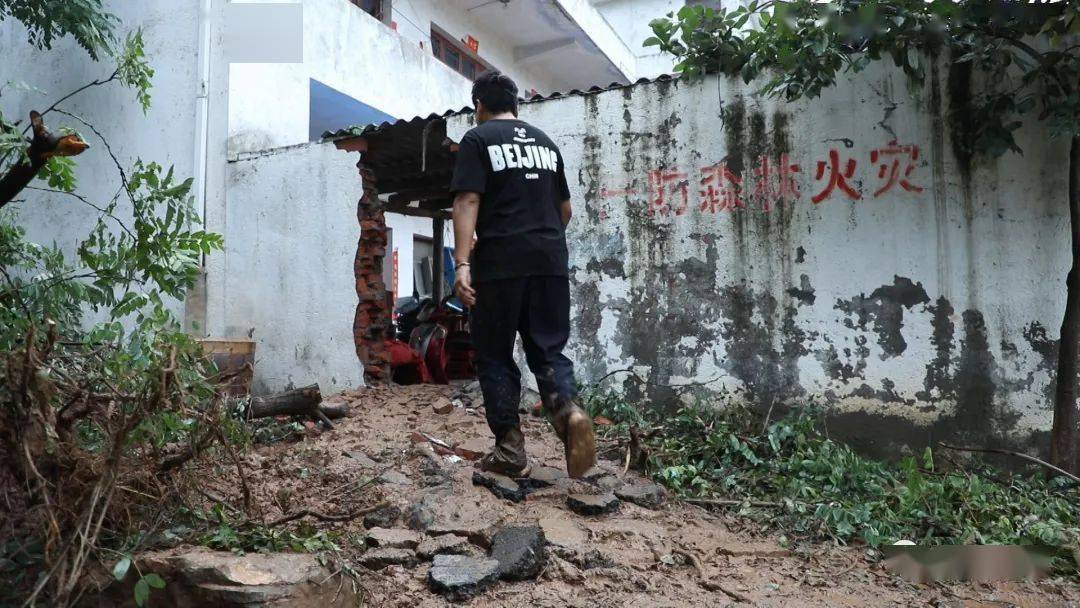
x: 289, y: 246
x: 347, y: 49
x: 913, y: 315
x: 164, y: 135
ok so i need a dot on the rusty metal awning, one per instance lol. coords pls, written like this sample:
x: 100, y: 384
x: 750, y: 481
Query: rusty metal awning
x: 412, y: 160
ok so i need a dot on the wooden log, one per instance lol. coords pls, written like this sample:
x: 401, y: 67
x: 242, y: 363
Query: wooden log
x: 305, y: 401
x: 297, y: 402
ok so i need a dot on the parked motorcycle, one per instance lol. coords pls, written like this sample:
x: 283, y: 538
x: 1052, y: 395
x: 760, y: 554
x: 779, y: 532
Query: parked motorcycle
x: 437, y: 336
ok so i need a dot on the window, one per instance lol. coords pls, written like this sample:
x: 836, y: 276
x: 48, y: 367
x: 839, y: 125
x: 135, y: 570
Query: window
x: 456, y: 55
x: 423, y: 253
x: 379, y: 9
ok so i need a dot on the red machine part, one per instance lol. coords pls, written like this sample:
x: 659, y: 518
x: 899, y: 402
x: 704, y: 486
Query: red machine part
x: 407, y: 365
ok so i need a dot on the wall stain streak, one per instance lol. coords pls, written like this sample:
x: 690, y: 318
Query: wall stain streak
x: 885, y: 309
x: 938, y: 377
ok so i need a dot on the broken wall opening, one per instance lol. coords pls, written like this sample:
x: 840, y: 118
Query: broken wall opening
x: 405, y: 168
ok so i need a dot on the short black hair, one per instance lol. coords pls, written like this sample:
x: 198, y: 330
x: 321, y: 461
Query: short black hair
x: 496, y: 91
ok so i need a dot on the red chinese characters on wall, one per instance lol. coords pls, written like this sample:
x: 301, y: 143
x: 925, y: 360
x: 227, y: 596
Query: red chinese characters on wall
x: 838, y: 178
x: 669, y: 192
x: 773, y: 181
x: 890, y: 157
x: 722, y: 189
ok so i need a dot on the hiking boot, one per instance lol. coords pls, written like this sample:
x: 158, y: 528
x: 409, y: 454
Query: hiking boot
x: 508, y: 456
x: 574, y: 427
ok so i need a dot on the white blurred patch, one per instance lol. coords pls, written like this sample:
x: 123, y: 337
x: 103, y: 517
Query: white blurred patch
x: 264, y: 33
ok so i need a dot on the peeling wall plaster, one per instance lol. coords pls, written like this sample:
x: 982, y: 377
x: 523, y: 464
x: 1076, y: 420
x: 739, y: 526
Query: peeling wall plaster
x: 704, y: 250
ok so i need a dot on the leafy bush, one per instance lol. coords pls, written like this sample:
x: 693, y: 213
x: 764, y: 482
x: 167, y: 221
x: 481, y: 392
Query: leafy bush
x: 103, y: 396
x: 800, y: 481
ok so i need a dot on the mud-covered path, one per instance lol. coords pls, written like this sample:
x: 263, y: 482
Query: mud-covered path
x: 633, y: 557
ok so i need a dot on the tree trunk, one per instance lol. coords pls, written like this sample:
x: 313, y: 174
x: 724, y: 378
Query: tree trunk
x: 1064, y: 437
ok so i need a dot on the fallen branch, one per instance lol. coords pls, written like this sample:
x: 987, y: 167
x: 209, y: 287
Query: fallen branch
x: 707, y: 582
x: 716, y: 502
x: 324, y: 517
x: 43, y: 146
x: 173, y: 461
x: 1012, y: 453
x: 633, y: 374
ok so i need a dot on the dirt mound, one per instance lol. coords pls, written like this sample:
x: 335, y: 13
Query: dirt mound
x: 396, y: 449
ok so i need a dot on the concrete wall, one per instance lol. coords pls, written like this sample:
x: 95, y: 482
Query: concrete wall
x: 164, y: 135
x: 290, y: 242
x: 924, y: 310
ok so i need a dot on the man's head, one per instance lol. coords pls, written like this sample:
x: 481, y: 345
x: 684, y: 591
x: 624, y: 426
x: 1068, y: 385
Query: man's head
x: 494, y: 93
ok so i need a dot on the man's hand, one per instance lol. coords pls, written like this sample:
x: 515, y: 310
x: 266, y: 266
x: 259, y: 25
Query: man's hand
x: 463, y: 286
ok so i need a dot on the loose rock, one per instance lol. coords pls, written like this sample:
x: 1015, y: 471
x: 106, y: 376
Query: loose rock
x: 542, y: 477
x: 460, y: 577
x: 395, y: 478
x: 377, y: 559
x: 564, y: 532
x: 500, y: 485
x: 393, y: 538
x: 648, y: 495
x: 421, y: 513
x: 592, y: 504
x: 382, y: 518
x: 447, y: 544
x: 519, y: 551
x: 362, y: 459
x: 594, y: 558
x: 478, y: 533
x: 443, y: 406
x: 610, y: 483
x: 201, y: 577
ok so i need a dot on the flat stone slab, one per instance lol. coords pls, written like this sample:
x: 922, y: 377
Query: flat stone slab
x: 203, y: 566
x: 201, y: 577
x: 478, y: 532
x: 393, y: 538
x: 382, y: 518
x: 361, y: 459
x: 610, y: 483
x: 500, y: 485
x: 543, y: 477
x: 592, y: 504
x: 377, y: 559
x: 564, y: 532
x: 596, y: 472
x: 519, y: 551
x: 396, y: 478
x: 648, y: 495
x: 447, y: 544
x: 459, y: 577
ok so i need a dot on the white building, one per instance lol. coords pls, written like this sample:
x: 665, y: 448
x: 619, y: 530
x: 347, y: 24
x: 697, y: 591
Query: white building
x: 369, y: 61
x: 240, y: 127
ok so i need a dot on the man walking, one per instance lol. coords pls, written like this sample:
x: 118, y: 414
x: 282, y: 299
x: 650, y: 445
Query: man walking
x: 510, y: 188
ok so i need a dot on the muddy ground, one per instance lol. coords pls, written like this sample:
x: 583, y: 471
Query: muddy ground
x: 634, y: 557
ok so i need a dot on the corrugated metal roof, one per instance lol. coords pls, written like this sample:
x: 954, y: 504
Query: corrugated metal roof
x: 358, y: 131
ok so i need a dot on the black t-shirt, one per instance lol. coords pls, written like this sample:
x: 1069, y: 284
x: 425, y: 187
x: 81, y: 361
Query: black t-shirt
x: 518, y: 172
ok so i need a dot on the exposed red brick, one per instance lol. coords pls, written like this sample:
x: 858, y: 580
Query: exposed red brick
x: 372, y: 320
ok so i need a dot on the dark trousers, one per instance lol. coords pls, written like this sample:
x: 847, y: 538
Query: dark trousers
x: 537, y: 308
